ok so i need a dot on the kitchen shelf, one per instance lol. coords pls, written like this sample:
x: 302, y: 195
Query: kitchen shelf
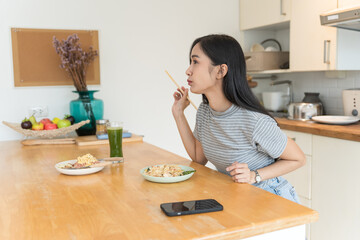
x: 273, y: 71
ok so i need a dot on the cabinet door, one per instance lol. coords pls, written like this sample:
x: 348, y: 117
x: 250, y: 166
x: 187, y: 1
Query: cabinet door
x: 348, y: 3
x: 312, y: 46
x: 260, y: 13
x: 335, y: 188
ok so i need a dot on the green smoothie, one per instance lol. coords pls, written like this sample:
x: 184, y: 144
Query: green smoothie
x: 115, y: 140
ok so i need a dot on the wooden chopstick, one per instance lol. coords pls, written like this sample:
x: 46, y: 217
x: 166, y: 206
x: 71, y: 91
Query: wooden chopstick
x: 178, y: 86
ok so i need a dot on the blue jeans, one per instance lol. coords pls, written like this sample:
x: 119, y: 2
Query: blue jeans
x: 279, y: 186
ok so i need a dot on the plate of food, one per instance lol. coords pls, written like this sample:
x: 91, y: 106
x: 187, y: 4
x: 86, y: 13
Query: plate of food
x: 167, y: 173
x: 83, y: 165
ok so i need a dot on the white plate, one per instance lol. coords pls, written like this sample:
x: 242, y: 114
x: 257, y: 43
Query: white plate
x: 83, y: 171
x: 168, y: 179
x: 337, y: 120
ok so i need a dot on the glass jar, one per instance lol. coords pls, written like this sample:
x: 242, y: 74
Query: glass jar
x: 101, y: 126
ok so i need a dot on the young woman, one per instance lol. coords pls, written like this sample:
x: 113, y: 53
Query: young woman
x: 233, y: 130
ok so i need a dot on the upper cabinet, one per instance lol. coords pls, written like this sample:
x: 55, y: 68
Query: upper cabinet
x: 348, y: 3
x: 312, y: 47
x: 319, y: 48
x: 260, y: 13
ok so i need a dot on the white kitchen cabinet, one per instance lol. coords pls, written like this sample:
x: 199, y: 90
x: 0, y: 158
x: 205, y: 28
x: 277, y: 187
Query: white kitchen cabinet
x: 335, y: 188
x: 312, y: 47
x: 261, y: 13
x: 319, y: 48
x: 329, y: 184
x: 348, y: 3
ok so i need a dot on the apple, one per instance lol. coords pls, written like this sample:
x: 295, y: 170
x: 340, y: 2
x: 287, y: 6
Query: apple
x: 50, y: 126
x: 38, y: 126
x: 63, y: 123
x: 45, y: 121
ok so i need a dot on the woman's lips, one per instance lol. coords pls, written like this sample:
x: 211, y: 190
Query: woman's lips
x: 189, y: 82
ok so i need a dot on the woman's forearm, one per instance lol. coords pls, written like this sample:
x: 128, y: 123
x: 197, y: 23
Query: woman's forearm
x: 186, y: 135
x: 278, y: 168
x: 192, y: 145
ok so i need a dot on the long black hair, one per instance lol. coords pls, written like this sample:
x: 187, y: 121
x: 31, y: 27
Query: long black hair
x: 223, y: 49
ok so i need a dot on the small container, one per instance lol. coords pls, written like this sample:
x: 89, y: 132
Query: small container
x: 101, y: 126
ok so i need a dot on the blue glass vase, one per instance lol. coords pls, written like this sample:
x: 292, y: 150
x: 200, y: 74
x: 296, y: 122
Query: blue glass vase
x: 86, y: 107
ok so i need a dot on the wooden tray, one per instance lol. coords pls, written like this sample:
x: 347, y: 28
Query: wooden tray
x: 92, y: 140
x: 31, y: 142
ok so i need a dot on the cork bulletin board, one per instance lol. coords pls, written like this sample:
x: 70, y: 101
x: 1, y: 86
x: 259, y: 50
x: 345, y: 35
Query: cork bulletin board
x: 36, y: 62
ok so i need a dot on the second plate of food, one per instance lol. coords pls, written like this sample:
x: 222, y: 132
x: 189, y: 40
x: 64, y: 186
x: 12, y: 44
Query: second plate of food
x: 62, y: 168
x: 167, y: 173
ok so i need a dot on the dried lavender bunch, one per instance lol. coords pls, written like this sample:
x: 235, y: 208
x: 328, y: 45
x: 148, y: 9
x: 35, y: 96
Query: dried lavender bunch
x: 74, y: 60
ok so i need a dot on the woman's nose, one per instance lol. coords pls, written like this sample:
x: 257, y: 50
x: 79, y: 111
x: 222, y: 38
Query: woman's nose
x: 188, y: 71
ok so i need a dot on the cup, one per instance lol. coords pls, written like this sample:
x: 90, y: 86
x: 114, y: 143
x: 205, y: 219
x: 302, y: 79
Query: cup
x: 115, y: 131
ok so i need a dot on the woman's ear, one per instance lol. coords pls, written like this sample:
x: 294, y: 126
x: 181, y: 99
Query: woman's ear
x: 223, y: 69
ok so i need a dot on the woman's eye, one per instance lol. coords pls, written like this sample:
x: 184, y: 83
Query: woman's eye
x: 195, y: 62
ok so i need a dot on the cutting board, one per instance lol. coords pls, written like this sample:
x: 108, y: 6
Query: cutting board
x: 31, y: 142
x: 92, y: 140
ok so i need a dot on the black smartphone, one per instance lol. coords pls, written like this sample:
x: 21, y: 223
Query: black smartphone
x: 191, y: 207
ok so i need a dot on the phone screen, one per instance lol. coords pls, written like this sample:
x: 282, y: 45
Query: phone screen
x: 191, y: 207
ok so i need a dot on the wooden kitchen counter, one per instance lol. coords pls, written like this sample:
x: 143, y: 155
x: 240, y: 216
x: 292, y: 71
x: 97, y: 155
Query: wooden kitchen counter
x: 347, y: 132
x: 37, y: 202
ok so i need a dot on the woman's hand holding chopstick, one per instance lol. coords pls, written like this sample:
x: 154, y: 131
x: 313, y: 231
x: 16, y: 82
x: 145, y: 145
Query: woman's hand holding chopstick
x: 180, y: 101
x: 180, y: 89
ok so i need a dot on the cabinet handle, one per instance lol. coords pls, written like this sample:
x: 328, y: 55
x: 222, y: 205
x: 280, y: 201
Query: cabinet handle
x: 327, y: 51
x: 281, y: 8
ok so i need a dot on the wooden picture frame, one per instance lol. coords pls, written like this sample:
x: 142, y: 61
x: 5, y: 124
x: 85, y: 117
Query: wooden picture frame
x: 36, y: 62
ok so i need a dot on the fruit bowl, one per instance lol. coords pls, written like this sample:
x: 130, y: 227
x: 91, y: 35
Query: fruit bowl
x: 45, y: 133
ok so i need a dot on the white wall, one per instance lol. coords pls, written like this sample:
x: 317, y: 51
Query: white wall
x: 139, y: 39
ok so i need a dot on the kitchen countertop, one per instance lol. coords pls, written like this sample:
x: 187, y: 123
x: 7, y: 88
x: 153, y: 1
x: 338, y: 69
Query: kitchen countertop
x: 37, y: 202
x: 346, y: 132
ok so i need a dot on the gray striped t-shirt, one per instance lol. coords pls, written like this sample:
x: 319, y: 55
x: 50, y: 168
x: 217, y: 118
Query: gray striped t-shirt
x: 238, y: 135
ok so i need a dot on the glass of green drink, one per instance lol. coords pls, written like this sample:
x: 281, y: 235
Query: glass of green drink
x: 115, y: 131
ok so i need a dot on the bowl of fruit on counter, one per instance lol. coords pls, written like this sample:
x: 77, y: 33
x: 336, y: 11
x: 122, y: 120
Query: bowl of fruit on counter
x: 46, y: 128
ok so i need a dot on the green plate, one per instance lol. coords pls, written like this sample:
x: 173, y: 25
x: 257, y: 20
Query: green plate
x: 168, y: 179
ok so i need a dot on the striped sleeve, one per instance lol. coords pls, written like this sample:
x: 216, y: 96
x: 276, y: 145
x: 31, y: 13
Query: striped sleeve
x: 199, y: 117
x: 196, y: 131
x: 269, y: 138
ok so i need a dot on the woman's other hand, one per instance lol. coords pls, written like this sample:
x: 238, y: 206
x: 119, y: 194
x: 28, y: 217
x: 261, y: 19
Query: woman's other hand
x: 181, y: 101
x: 241, y: 173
